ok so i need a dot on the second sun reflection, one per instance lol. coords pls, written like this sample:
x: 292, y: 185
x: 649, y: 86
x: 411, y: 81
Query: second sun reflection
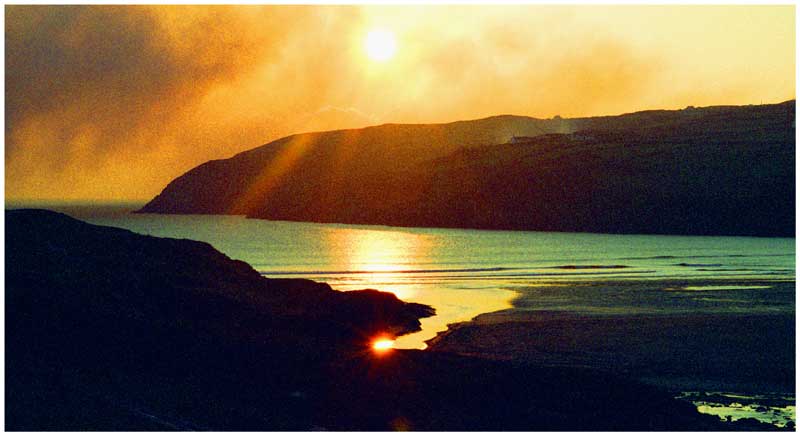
x: 382, y: 346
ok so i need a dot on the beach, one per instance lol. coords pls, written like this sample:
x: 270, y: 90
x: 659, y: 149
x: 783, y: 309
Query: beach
x: 748, y: 351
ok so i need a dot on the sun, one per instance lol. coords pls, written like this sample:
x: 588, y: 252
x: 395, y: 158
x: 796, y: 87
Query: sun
x: 380, y: 44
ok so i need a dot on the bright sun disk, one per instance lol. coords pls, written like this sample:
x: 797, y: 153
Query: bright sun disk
x: 380, y: 44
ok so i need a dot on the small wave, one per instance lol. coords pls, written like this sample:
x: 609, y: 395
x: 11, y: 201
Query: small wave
x: 573, y: 274
x: 724, y: 287
x: 589, y: 267
x: 400, y: 271
x: 765, y: 270
x: 699, y: 265
x: 650, y: 257
x: 718, y: 288
x: 708, y: 256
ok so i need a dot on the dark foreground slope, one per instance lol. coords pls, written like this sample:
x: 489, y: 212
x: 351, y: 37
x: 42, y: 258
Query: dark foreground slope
x: 65, y: 267
x: 109, y: 330
x: 711, y: 171
x: 92, y: 305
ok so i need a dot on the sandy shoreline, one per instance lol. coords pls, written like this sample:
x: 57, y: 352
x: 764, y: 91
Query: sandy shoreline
x: 727, y: 346
x: 672, y: 346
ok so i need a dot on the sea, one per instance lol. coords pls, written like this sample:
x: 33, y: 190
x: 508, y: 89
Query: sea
x: 464, y: 273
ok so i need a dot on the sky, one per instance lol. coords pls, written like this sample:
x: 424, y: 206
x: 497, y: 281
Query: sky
x: 113, y: 102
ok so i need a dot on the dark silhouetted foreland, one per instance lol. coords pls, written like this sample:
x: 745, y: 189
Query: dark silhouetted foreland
x: 110, y: 330
x: 725, y: 170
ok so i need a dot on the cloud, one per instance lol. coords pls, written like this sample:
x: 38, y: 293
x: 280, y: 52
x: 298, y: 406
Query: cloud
x: 88, y: 85
x: 116, y: 101
x: 114, y: 70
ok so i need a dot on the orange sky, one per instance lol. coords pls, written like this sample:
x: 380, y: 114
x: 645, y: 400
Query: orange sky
x: 114, y: 102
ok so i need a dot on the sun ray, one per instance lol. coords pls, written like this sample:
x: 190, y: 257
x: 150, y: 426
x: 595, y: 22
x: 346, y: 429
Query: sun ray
x: 272, y: 174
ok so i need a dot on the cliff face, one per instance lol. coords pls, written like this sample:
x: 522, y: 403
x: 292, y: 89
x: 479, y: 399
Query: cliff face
x: 713, y: 171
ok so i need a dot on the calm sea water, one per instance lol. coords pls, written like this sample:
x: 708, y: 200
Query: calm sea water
x: 463, y: 273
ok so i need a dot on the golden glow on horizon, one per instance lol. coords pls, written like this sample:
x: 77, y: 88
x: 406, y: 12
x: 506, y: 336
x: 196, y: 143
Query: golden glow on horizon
x: 380, y: 44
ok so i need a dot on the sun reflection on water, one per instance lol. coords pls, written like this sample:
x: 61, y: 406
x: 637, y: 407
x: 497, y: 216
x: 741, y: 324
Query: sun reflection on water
x: 381, y: 256
x: 395, y: 261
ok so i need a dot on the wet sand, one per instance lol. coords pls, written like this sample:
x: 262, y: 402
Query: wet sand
x: 723, y: 348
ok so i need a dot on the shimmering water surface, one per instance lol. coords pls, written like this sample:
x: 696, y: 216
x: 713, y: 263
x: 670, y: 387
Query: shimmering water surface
x: 463, y: 273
